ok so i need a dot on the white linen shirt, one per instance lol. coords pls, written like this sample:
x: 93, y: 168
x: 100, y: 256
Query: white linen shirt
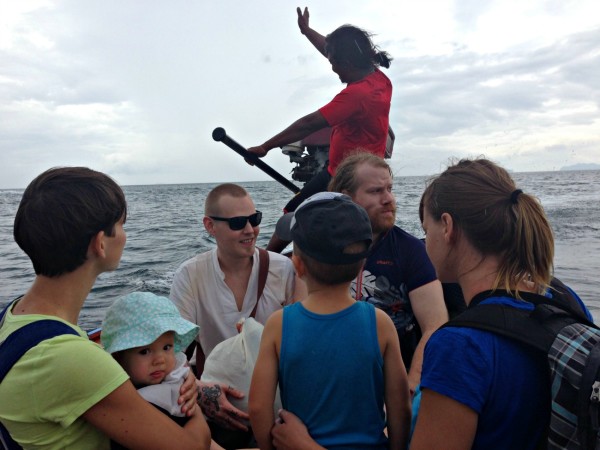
x: 202, y: 297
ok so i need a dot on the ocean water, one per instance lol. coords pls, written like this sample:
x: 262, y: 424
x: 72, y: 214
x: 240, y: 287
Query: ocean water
x: 164, y: 228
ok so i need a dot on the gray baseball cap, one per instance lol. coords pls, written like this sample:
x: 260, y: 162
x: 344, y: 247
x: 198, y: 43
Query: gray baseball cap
x: 324, y: 224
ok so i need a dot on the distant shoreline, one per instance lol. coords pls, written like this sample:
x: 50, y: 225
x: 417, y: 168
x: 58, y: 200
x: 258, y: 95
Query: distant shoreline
x: 579, y: 167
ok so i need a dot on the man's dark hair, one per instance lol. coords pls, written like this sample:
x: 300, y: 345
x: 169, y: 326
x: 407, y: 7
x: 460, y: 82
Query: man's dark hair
x: 61, y: 211
x: 352, y: 45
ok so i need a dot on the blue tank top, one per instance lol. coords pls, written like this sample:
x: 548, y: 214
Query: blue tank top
x: 331, y: 375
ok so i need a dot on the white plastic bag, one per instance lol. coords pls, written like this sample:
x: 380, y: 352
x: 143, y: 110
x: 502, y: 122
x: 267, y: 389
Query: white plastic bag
x: 232, y: 362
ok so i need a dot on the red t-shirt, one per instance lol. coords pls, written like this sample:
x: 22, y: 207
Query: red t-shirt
x: 359, y: 116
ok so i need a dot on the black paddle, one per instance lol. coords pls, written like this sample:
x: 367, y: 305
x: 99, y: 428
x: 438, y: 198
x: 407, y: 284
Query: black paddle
x: 220, y: 135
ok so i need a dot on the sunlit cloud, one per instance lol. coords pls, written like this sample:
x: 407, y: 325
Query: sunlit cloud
x: 135, y: 88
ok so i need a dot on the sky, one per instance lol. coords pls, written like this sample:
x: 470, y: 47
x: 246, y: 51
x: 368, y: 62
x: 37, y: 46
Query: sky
x: 134, y: 88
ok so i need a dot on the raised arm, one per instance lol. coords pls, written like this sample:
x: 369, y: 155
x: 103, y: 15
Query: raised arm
x: 427, y: 302
x: 315, y: 38
x: 128, y: 419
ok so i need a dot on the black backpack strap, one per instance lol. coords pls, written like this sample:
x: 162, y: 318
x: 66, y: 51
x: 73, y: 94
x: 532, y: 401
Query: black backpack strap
x: 562, y: 298
x: 505, y: 321
x: 17, y: 344
x: 563, y: 295
x: 536, y: 328
x: 7, y: 442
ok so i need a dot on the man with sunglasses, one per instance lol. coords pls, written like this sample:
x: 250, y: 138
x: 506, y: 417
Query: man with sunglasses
x: 217, y: 288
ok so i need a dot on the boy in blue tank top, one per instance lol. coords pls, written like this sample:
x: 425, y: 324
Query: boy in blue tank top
x: 337, y: 361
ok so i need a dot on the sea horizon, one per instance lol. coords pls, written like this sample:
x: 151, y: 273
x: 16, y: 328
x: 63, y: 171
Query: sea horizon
x: 396, y: 175
x: 164, y: 229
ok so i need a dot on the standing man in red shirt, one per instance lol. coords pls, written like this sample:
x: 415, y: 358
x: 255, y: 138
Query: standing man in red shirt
x: 358, y: 115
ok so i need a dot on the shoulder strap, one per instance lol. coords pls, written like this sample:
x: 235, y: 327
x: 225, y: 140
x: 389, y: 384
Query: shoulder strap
x: 523, y: 326
x: 537, y: 328
x: 27, y: 337
x: 567, y: 297
x: 7, y: 442
x: 263, y: 272
x: 17, y: 344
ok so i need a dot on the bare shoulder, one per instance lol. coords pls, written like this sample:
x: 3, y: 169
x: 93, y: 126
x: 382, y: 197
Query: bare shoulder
x: 271, y: 335
x: 275, y: 317
x: 386, y: 330
x: 382, y: 319
x: 274, y: 323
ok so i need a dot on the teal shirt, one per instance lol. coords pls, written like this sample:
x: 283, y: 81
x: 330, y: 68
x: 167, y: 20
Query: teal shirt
x: 331, y: 375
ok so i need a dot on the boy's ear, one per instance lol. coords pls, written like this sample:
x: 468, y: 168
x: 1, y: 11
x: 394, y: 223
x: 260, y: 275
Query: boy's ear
x: 299, y: 266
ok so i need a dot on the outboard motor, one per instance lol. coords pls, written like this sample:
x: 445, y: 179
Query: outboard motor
x: 310, y: 155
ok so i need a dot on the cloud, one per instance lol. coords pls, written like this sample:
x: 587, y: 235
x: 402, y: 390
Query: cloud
x: 502, y: 103
x: 135, y: 88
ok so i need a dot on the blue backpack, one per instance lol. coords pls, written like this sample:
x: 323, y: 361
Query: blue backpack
x: 561, y: 330
x: 16, y: 345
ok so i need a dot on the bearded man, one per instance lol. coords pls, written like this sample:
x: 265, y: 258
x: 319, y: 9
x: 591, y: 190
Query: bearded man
x: 398, y: 276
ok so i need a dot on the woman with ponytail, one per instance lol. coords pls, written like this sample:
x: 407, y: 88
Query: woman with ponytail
x: 480, y: 390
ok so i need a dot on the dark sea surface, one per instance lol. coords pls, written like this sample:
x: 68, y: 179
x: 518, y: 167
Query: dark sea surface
x: 164, y: 228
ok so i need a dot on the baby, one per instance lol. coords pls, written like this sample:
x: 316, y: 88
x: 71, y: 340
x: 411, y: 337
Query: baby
x: 146, y: 336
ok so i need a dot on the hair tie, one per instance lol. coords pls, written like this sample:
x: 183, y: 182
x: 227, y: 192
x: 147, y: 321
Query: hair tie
x: 514, y: 195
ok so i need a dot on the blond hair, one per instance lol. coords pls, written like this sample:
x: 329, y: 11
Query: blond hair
x: 211, y: 203
x: 345, y: 179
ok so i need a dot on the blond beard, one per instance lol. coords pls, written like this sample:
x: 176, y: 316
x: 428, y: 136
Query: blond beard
x: 381, y: 225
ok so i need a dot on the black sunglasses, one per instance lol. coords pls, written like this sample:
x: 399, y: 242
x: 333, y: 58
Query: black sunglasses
x: 239, y: 222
